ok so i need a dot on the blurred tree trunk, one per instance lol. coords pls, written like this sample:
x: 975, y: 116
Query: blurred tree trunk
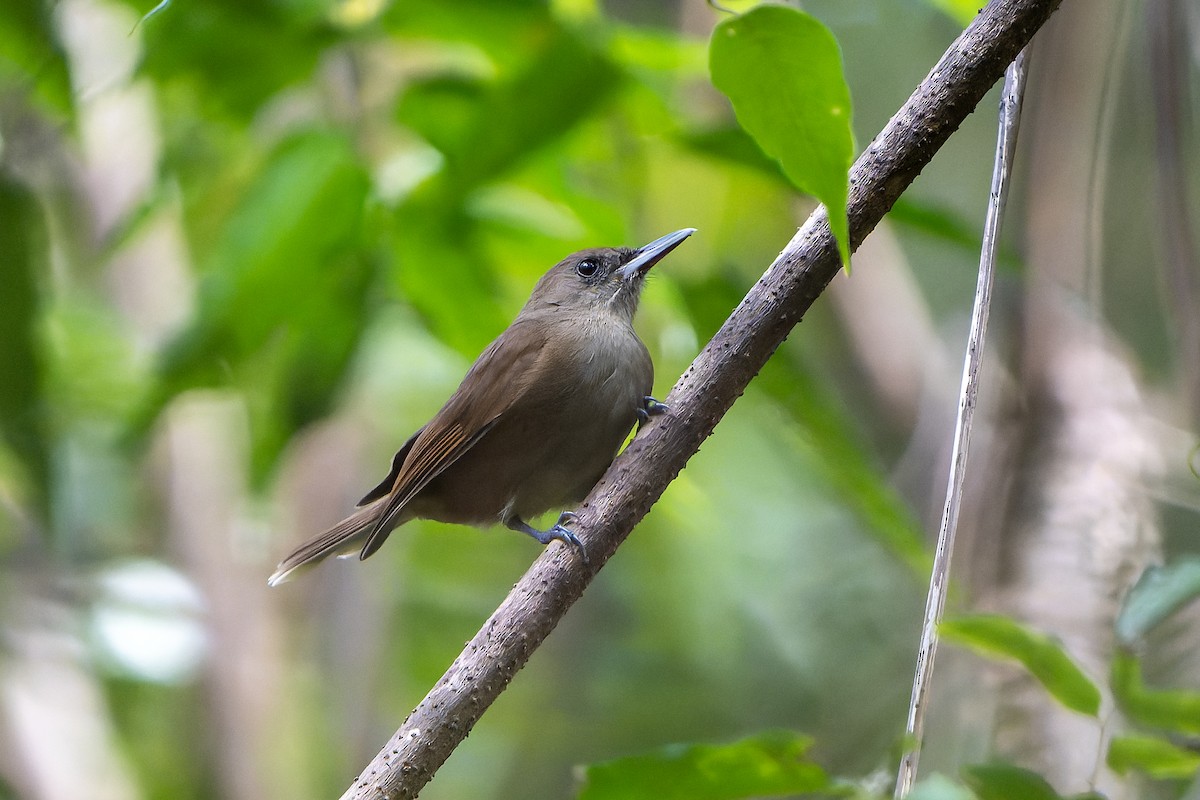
x: 206, y: 499
x: 320, y: 477
x: 1059, y: 520
x: 56, y: 738
x: 1081, y: 526
x: 1168, y: 35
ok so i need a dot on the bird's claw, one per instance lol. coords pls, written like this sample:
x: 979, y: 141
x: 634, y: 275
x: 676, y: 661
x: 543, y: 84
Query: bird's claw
x: 567, y: 536
x: 650, y: 408
x: 558, y: 531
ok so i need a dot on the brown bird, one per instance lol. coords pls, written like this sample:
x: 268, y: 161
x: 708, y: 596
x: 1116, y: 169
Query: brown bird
x: 535, y: 422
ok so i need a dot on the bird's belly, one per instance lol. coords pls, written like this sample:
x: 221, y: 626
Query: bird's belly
x: 542, y: 455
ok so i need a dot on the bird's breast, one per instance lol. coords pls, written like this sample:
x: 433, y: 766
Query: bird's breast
x: 589, y: 386
x: 604, y: 371
x: 573, y: 408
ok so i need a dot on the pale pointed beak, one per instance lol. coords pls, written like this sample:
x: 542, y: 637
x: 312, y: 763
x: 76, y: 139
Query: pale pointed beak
x: 646, y: 257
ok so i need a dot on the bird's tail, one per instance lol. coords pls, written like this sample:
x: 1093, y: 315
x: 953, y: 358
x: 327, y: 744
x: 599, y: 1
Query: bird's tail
x: 344, y: 539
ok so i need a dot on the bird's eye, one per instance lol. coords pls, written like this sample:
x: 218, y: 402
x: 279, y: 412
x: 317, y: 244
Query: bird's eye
x: 587, y: 268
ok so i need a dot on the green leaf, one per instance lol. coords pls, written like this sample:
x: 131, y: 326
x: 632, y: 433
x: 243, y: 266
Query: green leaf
x: 652, y: 50
x: 504, y: 33
x: 848, y: 463
x: 303, y: 210
x: 444, y: 274
x: 782, y: 70
x: 1007, y: 782
x: 485, y: 131
x: 280, y: 306
x: 23, y: 257
x: 1170, y: 709
x: 766, y: 765
x: 1156, y: 757
x: 563, y: 84
x: 939, y: 787
x: 961, y: 11
x: 30, y: 55
x: 995, y: 635
x: 734, y: 145
x: 236, y: 78
x: 443, y: 110
x: 1158, y: 593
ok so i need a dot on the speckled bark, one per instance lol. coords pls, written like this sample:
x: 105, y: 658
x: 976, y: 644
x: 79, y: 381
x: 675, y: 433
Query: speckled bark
x: 703, y: 394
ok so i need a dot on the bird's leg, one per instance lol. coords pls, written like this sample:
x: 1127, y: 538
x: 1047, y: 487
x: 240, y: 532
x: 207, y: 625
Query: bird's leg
x: 556, y: 531
x: 649, y: 407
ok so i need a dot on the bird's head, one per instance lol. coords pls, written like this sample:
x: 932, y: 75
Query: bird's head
x: 603, y: 278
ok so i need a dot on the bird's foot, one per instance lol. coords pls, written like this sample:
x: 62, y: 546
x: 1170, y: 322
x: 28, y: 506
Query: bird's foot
x: 558, y: 531
x: 650, y: 408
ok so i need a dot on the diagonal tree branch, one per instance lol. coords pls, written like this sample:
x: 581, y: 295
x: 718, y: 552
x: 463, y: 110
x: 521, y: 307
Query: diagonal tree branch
x: 703, y: 394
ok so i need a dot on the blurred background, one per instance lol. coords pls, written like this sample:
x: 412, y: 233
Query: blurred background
x: 246, y: 249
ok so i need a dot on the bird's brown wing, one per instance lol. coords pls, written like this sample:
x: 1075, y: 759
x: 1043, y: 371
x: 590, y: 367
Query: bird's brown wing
x: 387, y: 484
x: 497, y: 380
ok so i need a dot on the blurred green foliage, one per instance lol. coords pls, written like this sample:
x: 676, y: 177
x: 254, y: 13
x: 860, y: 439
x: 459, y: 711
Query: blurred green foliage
x: 23, y: 254
x: 282, y: 300
x: 368, y: 192
x: 1155, y: 757
x: 31, y: 56
x: 364, y: 193
x: 1006, y: 782
x: 1045, y: 658
x: 1168, y: 709
x: 767, y: 765
x: 1160, y: 592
